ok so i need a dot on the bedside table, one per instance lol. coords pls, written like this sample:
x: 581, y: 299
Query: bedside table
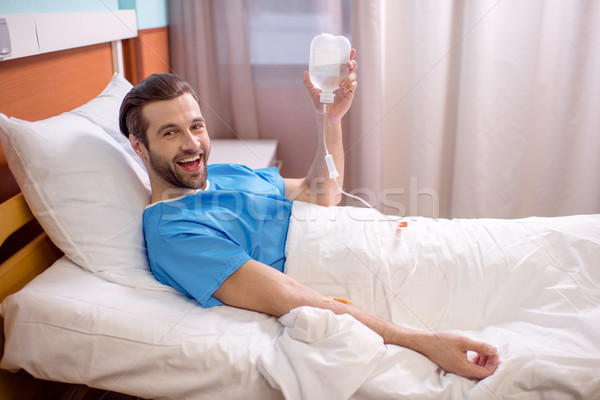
x: 253, y: 153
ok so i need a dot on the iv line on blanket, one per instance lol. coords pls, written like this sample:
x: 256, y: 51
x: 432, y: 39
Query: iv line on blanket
x: 333, y: 174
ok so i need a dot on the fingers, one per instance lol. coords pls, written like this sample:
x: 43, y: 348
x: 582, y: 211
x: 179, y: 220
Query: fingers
x: 307, y: 81
x: 486, y: 361
x: 349, y: 85
x: 312, y: 89
x: 483, y: 366
x: 352, y: 64
x: 481, y: 347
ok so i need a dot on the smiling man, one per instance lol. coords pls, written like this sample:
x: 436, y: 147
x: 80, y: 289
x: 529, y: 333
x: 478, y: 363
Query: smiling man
x: 217, y: 233
x: 174, y: 123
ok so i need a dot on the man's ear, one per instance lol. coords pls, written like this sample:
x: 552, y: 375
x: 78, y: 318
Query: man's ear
x: 137, y: 146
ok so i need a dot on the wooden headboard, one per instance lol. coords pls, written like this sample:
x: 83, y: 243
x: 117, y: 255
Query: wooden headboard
x: 34, y: 88
x: 38, y: 87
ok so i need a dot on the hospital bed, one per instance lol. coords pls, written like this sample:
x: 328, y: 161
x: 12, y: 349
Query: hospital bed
x: 81, y: 307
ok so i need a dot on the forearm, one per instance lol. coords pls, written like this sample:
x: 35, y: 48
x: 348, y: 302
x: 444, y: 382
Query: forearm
x: 322, y: 188
x: 447, y: 350
x: 316, y: 186
x: 258, y: 287
x: 390, y: 332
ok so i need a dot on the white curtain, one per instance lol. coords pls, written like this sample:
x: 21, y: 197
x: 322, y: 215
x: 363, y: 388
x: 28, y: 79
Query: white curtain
x: 465, y: 108
x: 490, y: 109
x: 209, y: 49
x: 246, y: 59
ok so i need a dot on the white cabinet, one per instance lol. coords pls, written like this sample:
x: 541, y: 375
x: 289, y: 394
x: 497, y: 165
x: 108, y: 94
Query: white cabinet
x: 255, y: 153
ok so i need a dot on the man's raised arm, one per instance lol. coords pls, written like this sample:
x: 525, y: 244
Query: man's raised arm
x: 316, y: 187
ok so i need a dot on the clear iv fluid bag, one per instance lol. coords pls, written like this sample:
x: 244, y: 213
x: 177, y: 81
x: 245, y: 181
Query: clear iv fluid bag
x: 327, y: 66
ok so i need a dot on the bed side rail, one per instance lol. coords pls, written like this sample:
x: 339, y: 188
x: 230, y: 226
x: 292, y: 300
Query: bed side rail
x: 14, y: 213
x: 30, y: 260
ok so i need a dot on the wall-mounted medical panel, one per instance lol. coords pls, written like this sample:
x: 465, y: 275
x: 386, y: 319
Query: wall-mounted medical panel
x: 32, y: 34
x: 22, y: 34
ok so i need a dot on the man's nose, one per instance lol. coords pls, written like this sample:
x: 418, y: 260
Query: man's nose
x: 189, y: 141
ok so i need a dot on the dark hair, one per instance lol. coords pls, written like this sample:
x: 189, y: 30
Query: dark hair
x: 154, y: 88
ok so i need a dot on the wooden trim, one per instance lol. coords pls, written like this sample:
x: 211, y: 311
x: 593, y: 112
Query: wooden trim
x: 23, y: 266
x: 160, y: 29
x: 3, y: 160
x: 14, y: 213
x: 130, y: 59
x: 41, y: 86
x: 15, y: 273
x: 146, y: 54
x: 30, y: 260
x: 26, y: 264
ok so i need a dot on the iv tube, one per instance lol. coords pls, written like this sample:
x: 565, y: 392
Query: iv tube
x: 328, y: 62
x: 333, y: 174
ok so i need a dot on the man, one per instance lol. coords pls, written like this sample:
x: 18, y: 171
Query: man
x: 217, y: 233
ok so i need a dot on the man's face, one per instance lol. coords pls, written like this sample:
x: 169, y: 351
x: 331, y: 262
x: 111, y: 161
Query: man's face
x: 178, y: 143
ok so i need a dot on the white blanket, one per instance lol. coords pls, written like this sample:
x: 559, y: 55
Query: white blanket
x: 531, y: 287
x: 528, y: 286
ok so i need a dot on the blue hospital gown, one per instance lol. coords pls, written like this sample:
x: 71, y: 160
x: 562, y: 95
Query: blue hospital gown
x: 195, y: 242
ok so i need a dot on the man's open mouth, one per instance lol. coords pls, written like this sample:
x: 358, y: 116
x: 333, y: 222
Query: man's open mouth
x: 191, y: 163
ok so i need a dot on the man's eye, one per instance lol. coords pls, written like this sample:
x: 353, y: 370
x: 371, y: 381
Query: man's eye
x: 169, y: 133
x: 197, y: 126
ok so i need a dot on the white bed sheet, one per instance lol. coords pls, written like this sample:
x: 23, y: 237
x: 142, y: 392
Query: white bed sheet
x: 69, y: 325
x: 528, y: 286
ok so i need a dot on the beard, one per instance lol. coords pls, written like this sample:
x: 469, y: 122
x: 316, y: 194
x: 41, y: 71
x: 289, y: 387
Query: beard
x: 168, y: 171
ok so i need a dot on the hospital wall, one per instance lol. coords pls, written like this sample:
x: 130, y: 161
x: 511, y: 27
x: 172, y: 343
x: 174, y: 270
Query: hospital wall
x: 146, y: 54
x: 150, y: 13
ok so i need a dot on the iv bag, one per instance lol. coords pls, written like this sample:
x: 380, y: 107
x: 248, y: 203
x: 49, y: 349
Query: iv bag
x: 327, y: 66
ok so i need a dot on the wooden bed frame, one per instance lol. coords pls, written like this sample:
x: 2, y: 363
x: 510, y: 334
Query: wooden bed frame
x: 42, y: 86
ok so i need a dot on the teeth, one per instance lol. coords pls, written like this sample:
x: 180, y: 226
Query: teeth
x: 189, y: 159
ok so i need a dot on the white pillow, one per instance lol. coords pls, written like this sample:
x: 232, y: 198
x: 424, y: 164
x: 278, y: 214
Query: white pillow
x: 85, y: 185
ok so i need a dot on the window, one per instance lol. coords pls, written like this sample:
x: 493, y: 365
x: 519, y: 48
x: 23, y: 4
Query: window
x: 280, y: 32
